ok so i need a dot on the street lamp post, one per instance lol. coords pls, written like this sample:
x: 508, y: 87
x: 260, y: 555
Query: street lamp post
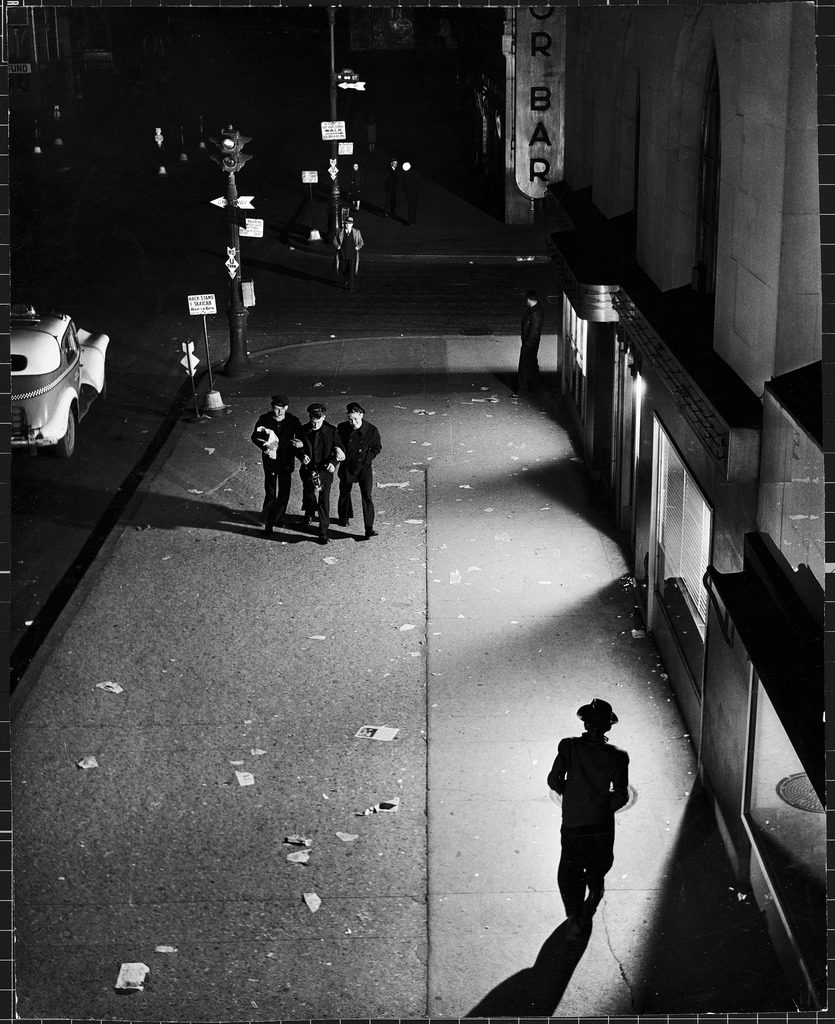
x: 333, y: 219
x: 231, y: 159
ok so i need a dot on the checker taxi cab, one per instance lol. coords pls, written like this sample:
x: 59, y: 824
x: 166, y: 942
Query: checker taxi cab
x: 57, y: 372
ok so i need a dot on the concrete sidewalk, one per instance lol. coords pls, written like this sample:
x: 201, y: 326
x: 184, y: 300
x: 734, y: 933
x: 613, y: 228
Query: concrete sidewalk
x: 494, y: 601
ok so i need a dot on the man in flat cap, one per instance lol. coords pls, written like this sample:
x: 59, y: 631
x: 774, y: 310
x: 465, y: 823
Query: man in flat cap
x: 318, y: 450
x: 273, y: 435
x: 592, y: 778
x: 361, y: 443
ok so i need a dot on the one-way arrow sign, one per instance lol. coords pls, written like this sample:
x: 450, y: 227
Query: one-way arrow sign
x: 242, y: 202
x: 360, y: 86
x: 221, y: 202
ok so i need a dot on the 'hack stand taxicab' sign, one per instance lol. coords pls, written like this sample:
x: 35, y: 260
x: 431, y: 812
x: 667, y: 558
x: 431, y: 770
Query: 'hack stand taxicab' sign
x: 202, y: 305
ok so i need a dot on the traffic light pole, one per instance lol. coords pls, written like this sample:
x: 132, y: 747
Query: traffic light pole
x: 333, y: 218
x: 238, y: 361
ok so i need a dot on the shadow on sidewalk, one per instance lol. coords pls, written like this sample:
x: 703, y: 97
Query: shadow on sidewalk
x: 536, y: 991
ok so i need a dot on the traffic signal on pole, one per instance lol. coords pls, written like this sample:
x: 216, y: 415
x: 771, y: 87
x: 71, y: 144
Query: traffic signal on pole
x: 231, y: 156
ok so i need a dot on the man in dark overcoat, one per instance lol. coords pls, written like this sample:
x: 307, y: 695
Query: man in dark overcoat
x: 592, y: 778
x: 533, y: 317
x: 319, y: 452
x: 361, y: 443
x: 391, y: 186
x: 273, y: 435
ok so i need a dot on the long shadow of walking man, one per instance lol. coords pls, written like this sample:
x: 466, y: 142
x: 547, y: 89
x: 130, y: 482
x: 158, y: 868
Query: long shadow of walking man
x: 537, y: 990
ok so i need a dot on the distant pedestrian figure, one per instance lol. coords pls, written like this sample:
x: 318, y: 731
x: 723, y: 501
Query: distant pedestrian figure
x: 354, y: 186
x: 411, y: 188
x: 348, y: 243
x: 273, y: 435
x: 371, y: 133
x: 392, y: 186
x: 531, y: 332
x: 318, y: 450
x: 592, y: 778
x: 361, y: 443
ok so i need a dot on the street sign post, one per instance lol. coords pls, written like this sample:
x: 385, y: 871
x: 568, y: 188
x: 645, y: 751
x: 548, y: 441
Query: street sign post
x: 203, y: 305
x: 311, y: 178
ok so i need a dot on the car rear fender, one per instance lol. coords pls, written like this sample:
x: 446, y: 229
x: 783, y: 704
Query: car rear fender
x: 56, y: 427
x: 93, y: 352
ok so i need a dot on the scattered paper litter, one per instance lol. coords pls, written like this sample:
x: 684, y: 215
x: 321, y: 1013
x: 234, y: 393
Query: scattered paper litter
x: 464, y: 487
x: 132, y: 977
x: 210, y: 451
x: 488, y: 509
x: 474, y: 568
x: 376, y: 732
x: 193, y: 490
x: 299, y: 857
x: 424, y: 412
x: 414, y: 522
x: 404, y: 484
x: 318, y: 383
x: 257, y: 751
x: 88, y: 761
x: 245, y: 778
x: 545, y: 583
x: 236, y: 762
x: 502, y: 536
x: 313, y: 902
x: 638, y: 634
x: 455, y: 576
x: 316, y: 636
x: 426, y: 444
x: 347, y: 837
x: 575, y: 459
x: 165, y: 949
x: 297, y: 840
x: 330, y: 560
x: 110, y: 686
x: 405, y: 626
x: 383, y: 807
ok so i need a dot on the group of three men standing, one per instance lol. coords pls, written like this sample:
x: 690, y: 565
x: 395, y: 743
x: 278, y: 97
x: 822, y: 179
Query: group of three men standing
x: 322, y: 449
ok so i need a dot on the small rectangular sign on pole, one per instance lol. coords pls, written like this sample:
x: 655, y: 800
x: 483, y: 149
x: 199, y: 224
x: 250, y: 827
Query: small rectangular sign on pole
x: 310, y: 177
x: 346, y: 148
x: 253, y: 229
x: 201, y: 305
x: 333, y: 130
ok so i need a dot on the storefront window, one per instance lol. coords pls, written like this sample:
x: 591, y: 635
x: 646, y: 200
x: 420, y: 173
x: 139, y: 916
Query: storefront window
x: 683, y: 531
x: 574, y: 333
x: 788, y: 826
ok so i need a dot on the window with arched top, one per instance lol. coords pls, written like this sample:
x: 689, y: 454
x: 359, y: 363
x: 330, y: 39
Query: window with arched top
x: 704, y: 277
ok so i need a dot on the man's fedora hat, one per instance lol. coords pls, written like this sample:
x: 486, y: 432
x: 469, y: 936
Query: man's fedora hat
x: 599, y: 712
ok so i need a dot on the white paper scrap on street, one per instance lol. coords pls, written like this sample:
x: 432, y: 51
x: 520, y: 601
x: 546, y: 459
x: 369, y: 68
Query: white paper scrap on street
x: 414, y: 522
x: 299, y: 856
x: 316, y: 636
x: 88, y: 761
x: 383, y: 807
x: 297, y: 840
x: 210, y: 451
x: 330, y: 560
x: 638, y: 634
x: 376, y: 732
x: 406, y: 626
x: 313, y: 902
x: 257, y: 752
x: 404, y: 484
x: 110, y: 686
x: 245, y: 778
x: 455, y: 576
x: 347, y: 837
x: 132, y: 977
x: 424, y: 412
x: 165, y: 949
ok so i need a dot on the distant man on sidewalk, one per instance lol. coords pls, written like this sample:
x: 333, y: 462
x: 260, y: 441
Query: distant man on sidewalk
x: 531, y: 332
x: 361, y: 443
x: 273, y: 435
x: 348, y: 243
x: 592, y: 778
x: 411, y: 189
x: 318, y: 450
x: 391, y: 186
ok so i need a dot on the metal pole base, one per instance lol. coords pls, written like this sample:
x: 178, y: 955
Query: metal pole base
x: 238, y: 361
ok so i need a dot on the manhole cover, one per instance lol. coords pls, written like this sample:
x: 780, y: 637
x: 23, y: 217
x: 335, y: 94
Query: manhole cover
x: 475, y: 330
x: 797, y: 791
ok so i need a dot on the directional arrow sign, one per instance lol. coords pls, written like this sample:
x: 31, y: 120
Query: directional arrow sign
x: 189, y: 360
x: 218, y: 202
x: 231, y: 263
x: 245, y: 203
x: 359, y: 86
